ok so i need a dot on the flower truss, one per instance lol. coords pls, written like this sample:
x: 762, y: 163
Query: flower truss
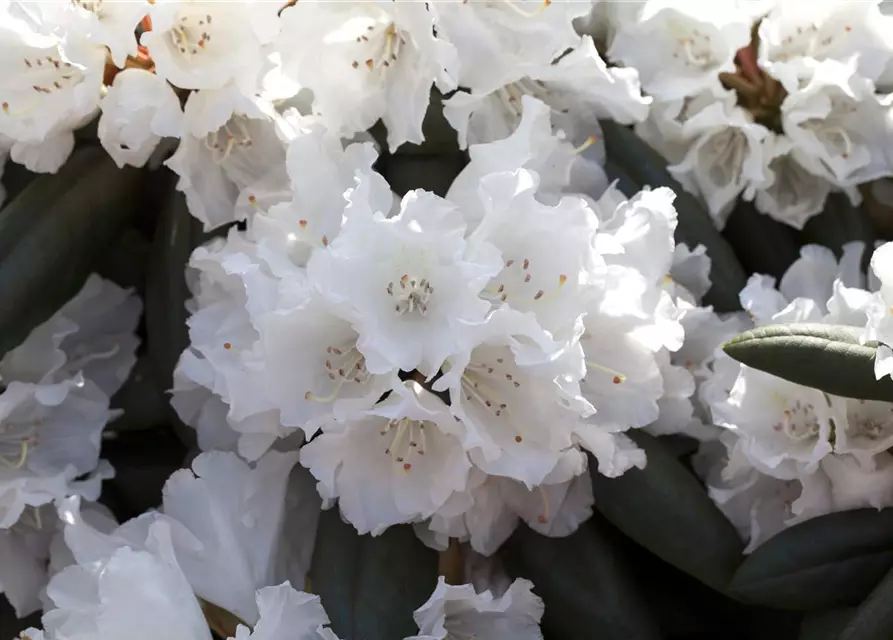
x: 446, y: 362
x: 54, y: 404
x: 785, y: 453
x: 780, y: 102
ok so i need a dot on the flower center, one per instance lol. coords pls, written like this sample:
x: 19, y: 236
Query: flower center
x: 233, y: 135
x: 192, y: 34
x: 16, y: 441
x: 694, y: 48
x: 40, y: 75
x: 799, y: 422
x: 519, y: 281
x: 407, y: 440
x: 410, y: 294
x: 343, y: 364
x: 383, y: 46
x: 93, y: 6
x: 757, y: 91
x: 490, y: 382
x: 511, y: 94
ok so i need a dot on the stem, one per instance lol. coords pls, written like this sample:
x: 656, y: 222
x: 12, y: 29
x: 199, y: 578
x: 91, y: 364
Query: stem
x: 450, y: 562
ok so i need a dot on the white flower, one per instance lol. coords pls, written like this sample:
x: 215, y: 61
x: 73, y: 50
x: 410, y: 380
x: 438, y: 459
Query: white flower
x: 795, y: 31
x: 838, y: 126
x: 759, y: 506
x: 104, y: 596
x: 50, y: 437
x: 230, y: 143
x: 506, y: 35
x: 320, y: 172
x: 33, y: 550
x: 518, y: 418
x: 406, y: 282
x: 794, y: 194
x: 681, y: 48
x: 235, y: 514
x: 365, y: 61
x: 535, y: 278
x: 856, y: 486
x: 397, y: 462
x: 197, y: 44
x: 288, y: 614
x: 48, y: 90
x: 552, y: 509
x: 534, y: 147
x: 459, y: 611
x: 691, y: 271
x: 580, y: 85
x: 479, y: 515
x: 784, y: 428
x: 138, y: 110
x: 104, y: 22
x: 725, y: 157
x: 867, y: 432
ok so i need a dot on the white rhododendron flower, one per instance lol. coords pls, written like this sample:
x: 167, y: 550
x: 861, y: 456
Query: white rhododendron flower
x: 50, y: 88
x: 406, y: 283
x: 397, y: 462
x: 802, y: 87
x: 104, y: 22
x: 367, y: 60
x: 287, y: 614
x: 579, y: 82
x: 206, y: 45
x: 225, y: 563
x: 137, y: 111
x: 459, y: 611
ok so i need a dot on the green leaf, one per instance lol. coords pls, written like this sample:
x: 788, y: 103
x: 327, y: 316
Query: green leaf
x: 176, y: 235
x: 763, y: 245
x: 825, y: 624
x: 665, y: 509
x: 830, y: 561
x: 370, y: 586
x: 821, y: 356
x: 839, y: 223
x: 873, y: 620
x: 53, y: 233
x: 144, y: 404
x: 584, y: 583
x: 645, y: 167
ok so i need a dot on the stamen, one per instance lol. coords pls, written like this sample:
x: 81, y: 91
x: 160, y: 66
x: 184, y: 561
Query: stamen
x: 524, y: 12
x: 588, y: 143
x: 618, y: 376
x: 545, y: 516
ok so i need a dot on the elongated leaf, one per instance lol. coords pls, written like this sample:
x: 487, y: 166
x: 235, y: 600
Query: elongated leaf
x: 839, y: 223
x: 763, y: 245
x: 825, y: 624
x: 52, y: 234
x: 825, y: 357
x: 584, y: 583
x: 645, y: 167
x: 873, y: 620
x: 177, y: 234
x: 829, y: 561
x: 370, y: 586
x: 665, y: 509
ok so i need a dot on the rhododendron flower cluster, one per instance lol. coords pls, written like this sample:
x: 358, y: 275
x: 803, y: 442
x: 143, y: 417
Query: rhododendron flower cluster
x: 778, y: 102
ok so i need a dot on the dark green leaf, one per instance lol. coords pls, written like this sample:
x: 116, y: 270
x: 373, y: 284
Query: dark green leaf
x: 440, y: 137
x: 52, y: 234
x: 584, y: 583
x: 763, y: 245
x: 665, y: 509
x: 830, y: 561
x: 645, y: 167
x: 824, y: 625
x: 873, y: 620
x: 839, y: 223
x: 825, y: 357
x: 177, y: 234
x: 144, y: 404
x: 433, y: 173
x: 370, y: 586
